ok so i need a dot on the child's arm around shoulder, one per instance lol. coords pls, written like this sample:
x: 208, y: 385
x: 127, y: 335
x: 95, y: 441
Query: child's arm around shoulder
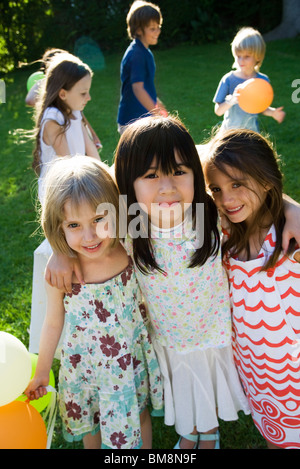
x: 50, y: 335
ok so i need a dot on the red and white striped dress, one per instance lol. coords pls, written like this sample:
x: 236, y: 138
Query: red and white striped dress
x: 266, y: 341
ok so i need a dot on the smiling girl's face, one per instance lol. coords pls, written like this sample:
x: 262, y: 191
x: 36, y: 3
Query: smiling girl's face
x: 165, y: 197
x: 84, y: 231
x: 236, y: 195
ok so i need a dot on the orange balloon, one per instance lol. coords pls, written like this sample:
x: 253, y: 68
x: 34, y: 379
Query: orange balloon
x: 21, y: 427
x: 255, y: 95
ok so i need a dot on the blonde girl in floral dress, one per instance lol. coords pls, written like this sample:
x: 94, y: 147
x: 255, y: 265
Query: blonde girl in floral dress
x: 109, y: 372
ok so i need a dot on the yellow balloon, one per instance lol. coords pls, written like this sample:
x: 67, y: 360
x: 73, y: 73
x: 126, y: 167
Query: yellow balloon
x: 41, y: 403
x: 15, y: 368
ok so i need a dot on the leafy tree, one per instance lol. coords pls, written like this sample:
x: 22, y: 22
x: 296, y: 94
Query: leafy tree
x: 29, y: 27
x: 22, y: 30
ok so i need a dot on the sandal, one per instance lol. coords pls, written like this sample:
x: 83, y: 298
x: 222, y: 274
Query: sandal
x: 211, y: 437
x: 187, y: 437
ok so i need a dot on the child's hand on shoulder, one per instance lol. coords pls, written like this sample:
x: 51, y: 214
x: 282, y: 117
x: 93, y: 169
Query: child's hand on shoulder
x: 59, y: 272
x: 278, y: 114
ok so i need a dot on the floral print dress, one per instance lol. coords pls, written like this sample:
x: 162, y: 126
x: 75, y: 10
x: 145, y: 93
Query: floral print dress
x: 109, y: 371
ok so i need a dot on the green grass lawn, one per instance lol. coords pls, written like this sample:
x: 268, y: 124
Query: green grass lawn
x: 186, y: 80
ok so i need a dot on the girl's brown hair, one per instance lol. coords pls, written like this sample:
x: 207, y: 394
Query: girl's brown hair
x: 253, y: 156
x: 140, y: 15
x: 63, y: 72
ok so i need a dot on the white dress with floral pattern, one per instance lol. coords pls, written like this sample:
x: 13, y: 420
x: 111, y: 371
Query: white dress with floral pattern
x: 189, y: 310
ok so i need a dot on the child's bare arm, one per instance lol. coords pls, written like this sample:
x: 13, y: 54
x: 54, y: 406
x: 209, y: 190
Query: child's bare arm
x: 56, y: 138
x: 50, y: 335
x: 277, y: 113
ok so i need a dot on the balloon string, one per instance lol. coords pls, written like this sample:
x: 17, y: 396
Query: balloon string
x: 50, y: 414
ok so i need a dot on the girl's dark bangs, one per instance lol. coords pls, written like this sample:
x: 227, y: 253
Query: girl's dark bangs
x: 165, y: 160
x: 164, y: 145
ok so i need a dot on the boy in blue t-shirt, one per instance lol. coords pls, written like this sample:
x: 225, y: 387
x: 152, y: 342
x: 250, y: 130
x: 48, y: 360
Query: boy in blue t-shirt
x: 138, y: 94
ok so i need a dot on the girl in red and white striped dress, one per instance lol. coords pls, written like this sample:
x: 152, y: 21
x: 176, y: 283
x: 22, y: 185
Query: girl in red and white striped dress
x: 244, y: 178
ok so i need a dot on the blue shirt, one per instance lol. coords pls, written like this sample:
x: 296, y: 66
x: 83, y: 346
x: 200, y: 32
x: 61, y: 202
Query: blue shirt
x: 137, y: 65
x: 235, y: 117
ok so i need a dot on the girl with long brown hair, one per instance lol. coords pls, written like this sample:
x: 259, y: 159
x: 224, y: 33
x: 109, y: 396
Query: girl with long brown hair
x: 59, y: 128
x: 244, y: 178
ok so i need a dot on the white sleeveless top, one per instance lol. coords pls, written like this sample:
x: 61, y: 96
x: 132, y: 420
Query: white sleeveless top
x: 74, y: 137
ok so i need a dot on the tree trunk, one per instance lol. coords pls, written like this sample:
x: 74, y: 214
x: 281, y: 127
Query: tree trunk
x: 290, y: 23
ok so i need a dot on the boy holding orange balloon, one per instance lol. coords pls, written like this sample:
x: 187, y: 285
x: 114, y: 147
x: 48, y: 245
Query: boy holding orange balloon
x: 244, y: 93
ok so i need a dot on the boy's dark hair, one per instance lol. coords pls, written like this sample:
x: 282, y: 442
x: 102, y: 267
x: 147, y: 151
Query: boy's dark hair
x: 140, y: 15
x: 160, y: 137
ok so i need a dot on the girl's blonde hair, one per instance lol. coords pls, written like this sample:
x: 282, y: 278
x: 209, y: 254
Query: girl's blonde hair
x: 77, y: 179
x: 140, y: 15
x: 64, y: 70
x: 249, y: 40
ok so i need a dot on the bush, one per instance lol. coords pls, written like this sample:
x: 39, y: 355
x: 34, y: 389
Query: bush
x: 29, y: 27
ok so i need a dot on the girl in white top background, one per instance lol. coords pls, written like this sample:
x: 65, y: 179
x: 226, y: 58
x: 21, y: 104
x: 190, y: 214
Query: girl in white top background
x: 59, y: 131
x: 33, y: 94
